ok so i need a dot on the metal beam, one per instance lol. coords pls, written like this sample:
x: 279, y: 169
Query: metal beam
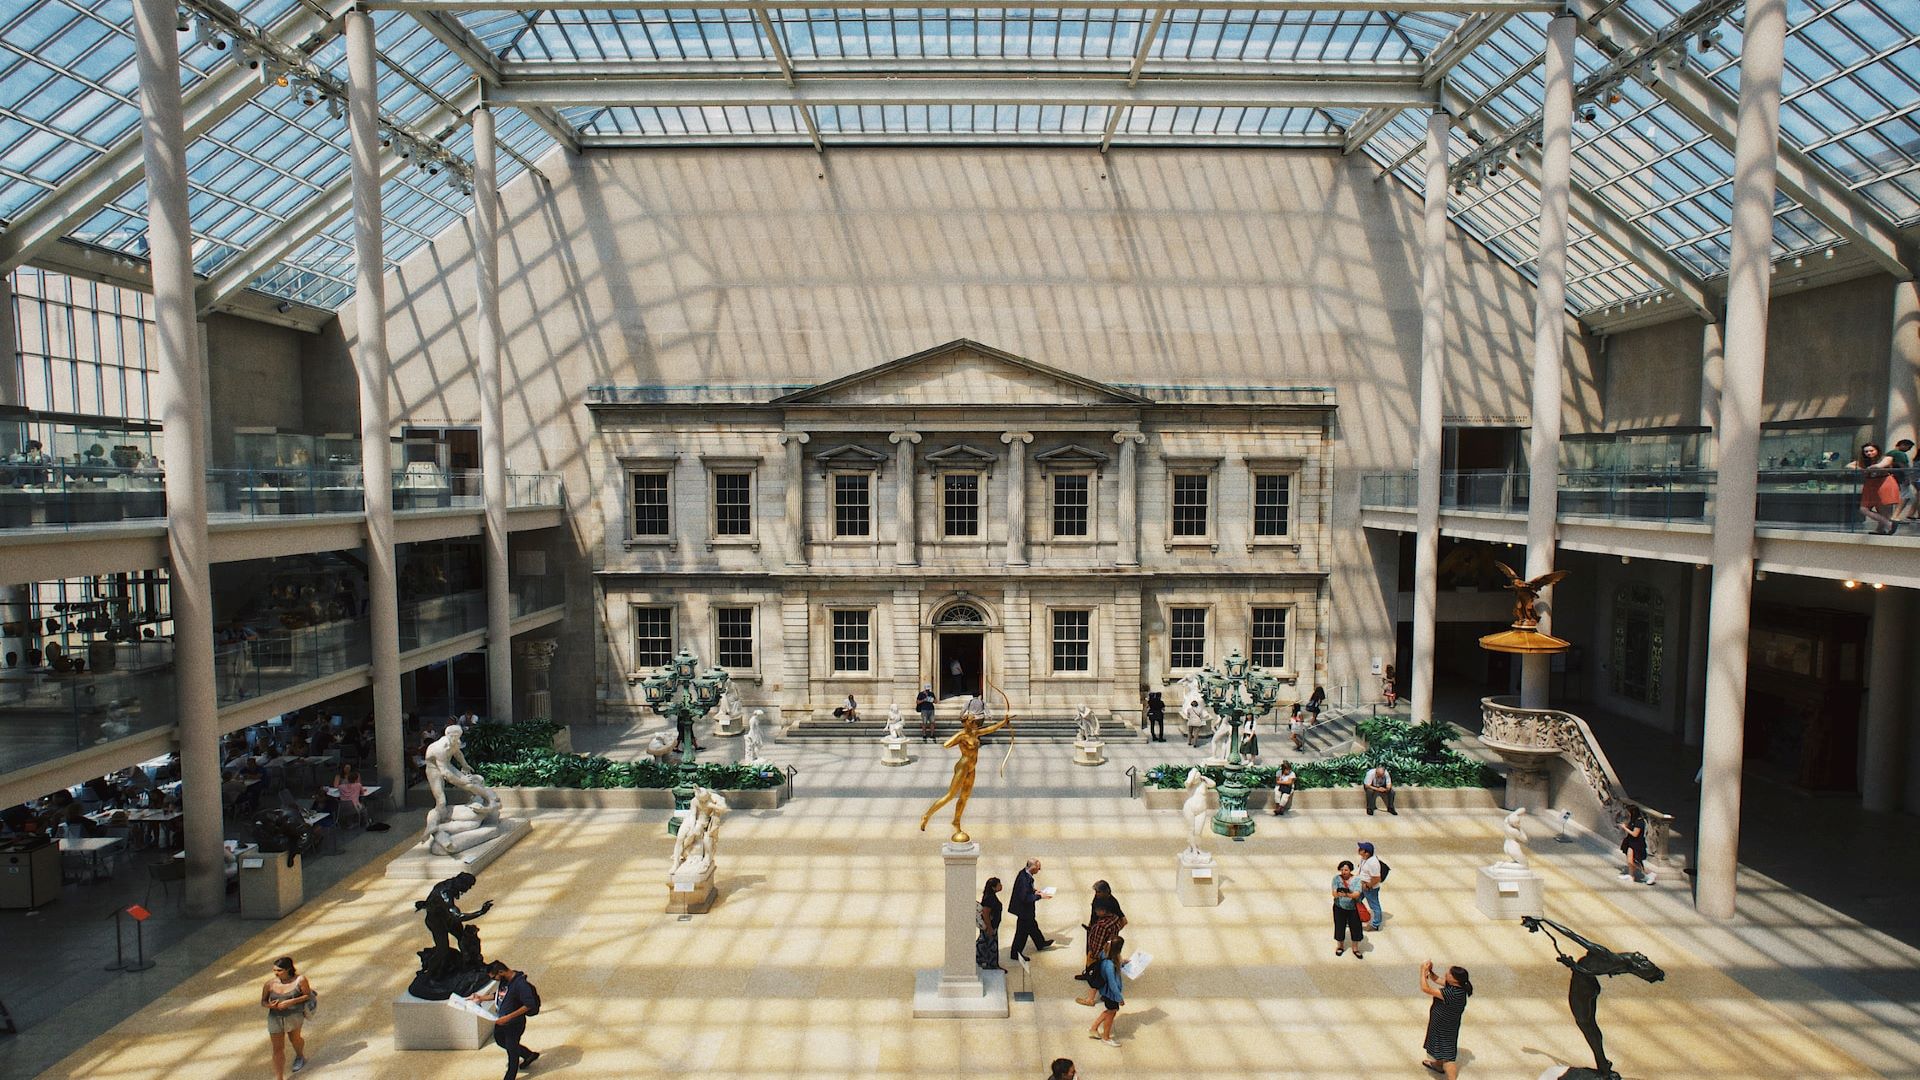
x: 779, y: 51
x: 1438, y: 7
x: 1153, y: 90
x: 1329, y: 141
x: 1470, y: 35
x: 1102, y: 70
x: 469, y: 50
x: 119, y: 169
x: 1715, y: 112
x: 1146, y: 46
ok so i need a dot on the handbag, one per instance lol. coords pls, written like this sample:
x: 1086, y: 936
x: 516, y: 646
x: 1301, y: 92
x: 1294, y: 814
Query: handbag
x: 1361, y: 909
x: 312, y: 1004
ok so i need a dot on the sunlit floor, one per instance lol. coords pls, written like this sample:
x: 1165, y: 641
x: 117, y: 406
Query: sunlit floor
x: 805, y: 967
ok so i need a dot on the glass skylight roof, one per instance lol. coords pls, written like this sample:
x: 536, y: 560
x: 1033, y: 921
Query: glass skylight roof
x: 68, y: 97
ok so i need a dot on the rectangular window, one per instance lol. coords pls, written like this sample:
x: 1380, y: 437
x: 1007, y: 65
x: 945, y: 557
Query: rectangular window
x: 733, y: 504
x: 1072, y: 640
x: 1272, y: 503
x: 652, y: 637
x: 1270, y: 637
x: 1070, y: 504
x: 852, y: 633
x: 852, y: 504
x: 649, y: 504
x: 733, y: 631
x: 1190, y: 504
x: 960, y: 504
x: 1187, y: 637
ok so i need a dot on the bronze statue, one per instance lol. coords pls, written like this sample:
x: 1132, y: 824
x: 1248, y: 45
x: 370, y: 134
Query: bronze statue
x: 1527, y: 595
x: 453, y: 963
x: 1583, y: 990
x: 967, y: 740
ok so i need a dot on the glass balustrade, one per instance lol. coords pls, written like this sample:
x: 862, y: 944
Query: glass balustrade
x: 431, y: 620
x: 1488, y: 490
x: 536, y: 592
x: 281, y: 659
x: 44, y: 715
x: 534, y: 489
x: 1388, y: 490
x: 284, y: 491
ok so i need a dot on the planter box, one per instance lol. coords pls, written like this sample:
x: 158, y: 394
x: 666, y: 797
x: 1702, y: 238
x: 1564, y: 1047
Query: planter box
x: 1346, y: 798
x: 545, y: 798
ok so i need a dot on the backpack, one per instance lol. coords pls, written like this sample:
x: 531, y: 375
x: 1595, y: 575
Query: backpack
x: 533, y: 1007
x: 1384, y: 871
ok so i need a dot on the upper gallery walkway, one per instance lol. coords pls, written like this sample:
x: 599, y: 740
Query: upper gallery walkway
x: 67, y: 527
x: 1808, y: 521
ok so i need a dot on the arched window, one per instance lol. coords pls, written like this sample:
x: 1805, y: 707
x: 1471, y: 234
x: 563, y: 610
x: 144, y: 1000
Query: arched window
x: 1639, y: 642
x: 962, y: 615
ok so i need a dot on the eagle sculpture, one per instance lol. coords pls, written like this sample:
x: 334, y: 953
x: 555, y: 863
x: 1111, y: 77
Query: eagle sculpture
x: 1527, y: 595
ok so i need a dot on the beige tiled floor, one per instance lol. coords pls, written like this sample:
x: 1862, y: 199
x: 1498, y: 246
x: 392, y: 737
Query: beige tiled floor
x: 804, y: 969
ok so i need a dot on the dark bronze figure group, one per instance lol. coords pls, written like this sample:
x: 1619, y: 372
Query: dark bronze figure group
x: 453, y: 963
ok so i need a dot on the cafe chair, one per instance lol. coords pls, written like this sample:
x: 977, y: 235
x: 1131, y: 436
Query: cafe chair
x: 165, y: 873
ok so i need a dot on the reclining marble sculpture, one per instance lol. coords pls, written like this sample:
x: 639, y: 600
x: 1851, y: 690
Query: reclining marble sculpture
x: 453, y: 829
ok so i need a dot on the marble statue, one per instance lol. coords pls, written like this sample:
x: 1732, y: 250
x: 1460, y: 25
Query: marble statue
x: 1221, y: 745
x: 894, y: 722
x: 452, y: 964
x: 1516, y: 842
x: 446, y: 763
x: 1086, y: 722
x: 752, y: 754
x: 453, y: 829
x: 657, y: 748
x: 697, y: 845
x: 1583, y: 991
x: 731, y: 710
x: 1197, y: 813
x: 967, y: 740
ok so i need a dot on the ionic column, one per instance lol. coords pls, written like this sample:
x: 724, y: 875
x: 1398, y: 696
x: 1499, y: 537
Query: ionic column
x: 1549, y: 335
x: 1016, y: 495
x: 796, y: 442
x: 1883, y: 779
x: 183, y: 405
x: 1749, y: 278
x: 493, y: 434
x: 1699, y: 599
x: 371, y: 364
x: 1433, y: 363
x: 1129, y: 508
x: 1713, y: 363
x: 906, y: 544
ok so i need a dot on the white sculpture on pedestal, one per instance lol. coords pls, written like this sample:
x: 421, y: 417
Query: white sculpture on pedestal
x: 894, y: 722
x: 1194, y: 714
x: 1197, y: 813
x: 697, y: 846
x: 455, y: 829
x: 1221, y: 745
x: 752, y: 755
x: 1088, y: 724
x: 730, y: 714
x: 1515, y: 844
x: 657, y: 747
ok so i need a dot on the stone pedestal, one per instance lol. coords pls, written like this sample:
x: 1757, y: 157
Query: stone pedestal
x: 1089, y: 752
x: 1504, y: 892
x: 269, y: 888
x: 894, y: 752
x: 727, y: 727
x: 959, y: 988
x: 419, y: 1024
x: 691, y: 893
x: 1197, y: 885
x: 1527, y: 780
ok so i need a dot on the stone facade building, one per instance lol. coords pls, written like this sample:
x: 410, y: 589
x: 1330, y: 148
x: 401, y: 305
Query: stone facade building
x: 957, y: 514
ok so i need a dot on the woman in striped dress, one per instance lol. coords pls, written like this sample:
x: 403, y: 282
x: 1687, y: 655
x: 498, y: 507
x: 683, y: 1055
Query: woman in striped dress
x: 1449, y: 993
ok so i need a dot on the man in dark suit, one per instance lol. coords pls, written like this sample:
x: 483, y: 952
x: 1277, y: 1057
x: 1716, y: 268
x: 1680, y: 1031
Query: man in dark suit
x: 1020, y: 906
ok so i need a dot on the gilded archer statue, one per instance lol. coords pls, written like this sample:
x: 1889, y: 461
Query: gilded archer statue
x: 967, y: 740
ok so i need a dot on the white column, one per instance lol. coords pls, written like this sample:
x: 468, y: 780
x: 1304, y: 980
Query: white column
x: 182, y: 408
x: 1698, y: 601
x: 1903, y: 365
x: 374, y: 370
x: 1885, y: 752
x: 493, y: 424
x: 906, y: 543
x: 1129, y: 515
x: 796, y: 443
x: 1549, y: 335
x: 1016, y: 495
x: 1755, y: 158
x: 1433, y: 364
x: 9, y: 345
x: 1713, y: 363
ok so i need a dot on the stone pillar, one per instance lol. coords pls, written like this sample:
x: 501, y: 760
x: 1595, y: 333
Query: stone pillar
x: 371, y: 364
x: 1129, y: 515
x: 1549, y: 336
x: 1749, y: 279
x: 493, y: 433
x: 1017, y: 495
x: 183, y: 407
x: 1713, y: 363
x: 796, y: 444
x: 1885, y: 753
x: 906, y: 542
x: 1903, y: 365
x: 959, y: 988
x: 9, y: 346
x: 1694, y: 721
x: 1433, y: 363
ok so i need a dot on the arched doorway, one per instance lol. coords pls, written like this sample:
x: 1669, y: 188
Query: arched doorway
x: 960, y: 650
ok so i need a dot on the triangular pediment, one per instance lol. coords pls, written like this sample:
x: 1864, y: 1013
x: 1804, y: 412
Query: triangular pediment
x: 962, y: 372
x: 1071, y: 456
x: 849, y: 456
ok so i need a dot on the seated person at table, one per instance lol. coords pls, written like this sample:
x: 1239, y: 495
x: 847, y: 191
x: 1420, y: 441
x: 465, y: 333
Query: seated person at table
x: 322, y: 742
x: 76, y: 826
x: 347, y: 783
x: 256, y: 780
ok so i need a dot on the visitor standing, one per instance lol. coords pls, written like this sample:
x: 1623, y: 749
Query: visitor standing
x: 1297, y: 727
x: 923, y: 704
x: 1903, y: 477
x: 1156, y: 717
x: 1020, y: 905
x: 1107, y: 982
x: 1449, y: 993
x: 1283, y: 781
x: 1633, y: 844
x: 1879, y: 491
x: 1379, y: 785
x: 986, y: 948
x: 1370, y: 873
x: 514, y: 999
x: 1250, y: 745
x: 1105, y: 920
x: 285, y: 997
x: 1062, y: 1069
x: 1346, y: 914
x: 1390, y: 687
x: 1315, y: 702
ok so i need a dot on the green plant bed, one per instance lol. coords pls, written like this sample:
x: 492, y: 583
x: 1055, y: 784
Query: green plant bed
x: 1417, y: 755
x: 483, y: 743
x: 545, y: 768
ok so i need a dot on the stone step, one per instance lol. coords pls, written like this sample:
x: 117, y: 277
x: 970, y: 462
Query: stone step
x: 872, y: 730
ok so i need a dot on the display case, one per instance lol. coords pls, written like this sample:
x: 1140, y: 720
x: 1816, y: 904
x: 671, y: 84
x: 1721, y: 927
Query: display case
x: 1587, y: 462
x: 63, y: 469
x: 420, y: 479
x: 1671, y: 449
x: 1804, y: 479
x: 288, y: 473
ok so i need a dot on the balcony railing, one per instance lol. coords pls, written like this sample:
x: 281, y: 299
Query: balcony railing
x: 287, y: 658
x: 536, y: 592
x: 61, y: 496
x: 285, y: 491
x: 46, y: 716
x: 535, y: 489
x: 434, y: 619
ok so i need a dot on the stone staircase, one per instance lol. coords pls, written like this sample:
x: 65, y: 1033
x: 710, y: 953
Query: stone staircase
x: 1034, y: 729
